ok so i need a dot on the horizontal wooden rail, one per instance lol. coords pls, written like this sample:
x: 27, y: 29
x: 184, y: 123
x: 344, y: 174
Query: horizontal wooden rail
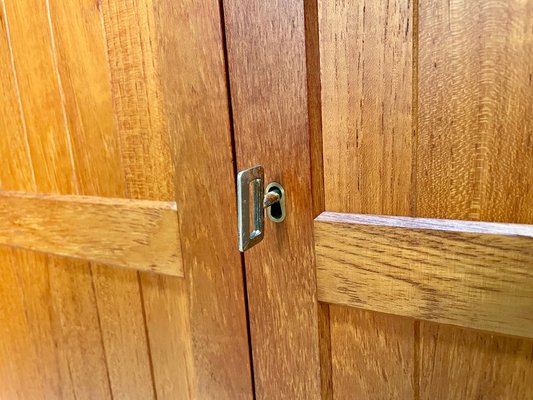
x: 471, y: 274
x: 137, y: 234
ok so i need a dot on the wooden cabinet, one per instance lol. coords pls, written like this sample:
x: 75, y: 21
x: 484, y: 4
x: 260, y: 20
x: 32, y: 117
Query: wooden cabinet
x: 401, y: 132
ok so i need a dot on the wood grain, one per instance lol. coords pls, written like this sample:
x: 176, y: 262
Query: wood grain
x: 475, y: 162
x: 314, y: 107
x: 45, y: 143
x: 448, y: 355
x: 366, y: 70
x: 196, y: 104
x: 19, y: 374
x: 366, y: 56
x: 360, y: 343
x: 12, y: 127
x: 172, y: 119
x: 40, y: 98
x: 83, y: 68
x: 131, y: 36
x: 475, y: 140
x: 138, y: 234
x: 144, y: 149
x: 268, y: 92
x: 472, y: 274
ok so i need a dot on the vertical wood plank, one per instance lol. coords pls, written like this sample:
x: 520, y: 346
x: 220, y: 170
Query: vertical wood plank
x: 326, y: 368
x: 193, y: 75
x: 372, y: 355
x: 163, y: 90
x: 13, y: 139
x: 267, y: 68
x: 475, y: 161
x: 366, y: 69
x: 145, y: 154
x: 40, y: 97
x: 462, y: 364
x: 80, y: 53
x: 130, y: 33
x: 19, y: 375
x: 475, y: 120
x: 83, y: 68
x: 28, y: 341
x: 366, y: 51
x: 78, y: 322
x: 53, y: 170
x: 314, y: 106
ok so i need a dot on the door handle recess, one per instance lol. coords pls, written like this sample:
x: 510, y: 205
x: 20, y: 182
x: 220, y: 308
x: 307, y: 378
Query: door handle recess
x: 251, y: 193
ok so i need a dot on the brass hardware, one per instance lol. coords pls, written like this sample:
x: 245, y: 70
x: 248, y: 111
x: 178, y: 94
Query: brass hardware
x: 252, y: 232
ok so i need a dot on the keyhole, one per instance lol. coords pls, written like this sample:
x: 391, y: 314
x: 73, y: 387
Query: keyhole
x: 276, y: 212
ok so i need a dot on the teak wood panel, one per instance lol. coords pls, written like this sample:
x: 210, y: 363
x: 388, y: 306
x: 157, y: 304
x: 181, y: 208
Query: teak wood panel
x: 442, y: 132
x: 475, y: 161
x: 139, y: 234
x: 472, y: 274
x: 267, y: 71
x: 366, y: 65
x: 56, y: 328
x: 198, y: 112
x: 117, y: 101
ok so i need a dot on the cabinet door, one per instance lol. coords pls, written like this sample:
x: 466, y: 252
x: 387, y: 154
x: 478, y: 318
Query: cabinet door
x: 405, y: 129
x: 119, y: 111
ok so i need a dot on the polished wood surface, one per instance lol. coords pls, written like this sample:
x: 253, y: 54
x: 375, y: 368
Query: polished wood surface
x: 140, y: 234
x: 472, y: 274
x: 475, y: 134
x: 267, y: 70
x: 361, y: 341
x: 366, y: 59
x: 92, y: 107
x: 191, y: 52
x: 366, y: 69
x: 426, y: 112
x: 55, y: 327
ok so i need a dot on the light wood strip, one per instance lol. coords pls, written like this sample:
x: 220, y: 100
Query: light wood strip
x: 475, y: 145
x: 138, y: 234
x: 447, y: 364
x: 40, y: 96
x: 83, y: 70
x: 471, y: 274
x: 366, y: 70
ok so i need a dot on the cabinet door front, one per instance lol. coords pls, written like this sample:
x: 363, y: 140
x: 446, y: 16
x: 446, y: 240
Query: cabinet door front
x: 115, y: 143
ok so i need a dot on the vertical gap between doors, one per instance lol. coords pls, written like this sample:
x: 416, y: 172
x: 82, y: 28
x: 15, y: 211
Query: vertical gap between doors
x: 314, y: 117
x: 234, y: 157
x: 413, y: 205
